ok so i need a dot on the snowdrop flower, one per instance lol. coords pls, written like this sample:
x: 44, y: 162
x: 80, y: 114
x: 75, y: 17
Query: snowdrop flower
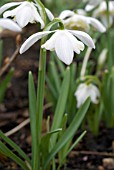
x: 64, y: 42
x: 92, y: 4
x: 25, y: 12
x: 72, y: 20
x: 101, y: 12
x: 9, y: 24
x: 84, y: 91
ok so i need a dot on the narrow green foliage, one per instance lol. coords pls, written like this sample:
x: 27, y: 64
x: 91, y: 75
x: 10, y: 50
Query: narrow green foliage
x: 61, y: 104
x: 70, y: 149
x: 32, y: 110
x: 69, y: 133
x: 4, y: 149
x: 4, y: 84
x: 15, y: 147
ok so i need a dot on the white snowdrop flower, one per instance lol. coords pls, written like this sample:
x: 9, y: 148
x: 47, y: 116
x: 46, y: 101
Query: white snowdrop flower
x: 92, y: 4
x: 25, y: 12
x: 6, y: 23
x: 84, y: 91
x: 72, y: 20
x: 64, y: 42
x: 101, y: 12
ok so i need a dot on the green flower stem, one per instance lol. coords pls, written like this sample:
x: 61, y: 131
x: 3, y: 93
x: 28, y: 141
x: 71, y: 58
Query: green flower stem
x: 40, y: 92
x: 110, y: 59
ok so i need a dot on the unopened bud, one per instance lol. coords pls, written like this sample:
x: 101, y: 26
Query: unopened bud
x: 102, y: 57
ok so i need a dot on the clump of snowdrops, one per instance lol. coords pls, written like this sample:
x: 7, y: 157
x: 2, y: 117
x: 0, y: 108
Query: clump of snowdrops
x: 77, y: 88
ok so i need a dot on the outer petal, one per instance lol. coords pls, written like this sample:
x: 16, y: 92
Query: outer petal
x: 89, y: 7
x: 9, y: 24
x: 105, y: 22
x: 23, y: 16
x: 10, y: 13
x: 92, y: 4
x: 97, y: 24
x: 77, y: 45
x: 94, y: 93
x: 66, y: 13
x: 49, y: 14
x: 9, y: 5
x: 64, y: 49
x: 81, y: 94
x: 33, y: 39
x: 84, y: 37
x: 38, y: 18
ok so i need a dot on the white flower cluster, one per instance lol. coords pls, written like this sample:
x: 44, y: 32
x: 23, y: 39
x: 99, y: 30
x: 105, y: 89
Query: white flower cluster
x: 65, y: 41
x: 101, y: 11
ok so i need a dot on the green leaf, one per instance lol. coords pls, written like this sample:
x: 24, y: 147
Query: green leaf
x: 4, y: 84
x: 13, y: 156
x: 70, y: 132
x: 32, y: 110
x: 45, y: 143
x: 56, y: 77
x: 70, y: 149
x: 60, y: 108
x: 15, y: 147
x: 61, y: 66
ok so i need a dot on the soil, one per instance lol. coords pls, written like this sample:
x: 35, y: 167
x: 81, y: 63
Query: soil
x: 92, y: 153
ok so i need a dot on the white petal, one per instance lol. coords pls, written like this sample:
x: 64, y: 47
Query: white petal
x: 77, y: 45
x: 84, y: 37
x: 23, y: 16
x: 9, y: 5
x: 10, y: 13
x: 50, y: 44
x: 89, y: 7
x: 9, y: 24
x: 81, y: 94
x: 105, y: 22
x: 94, y: 93
x: 64, y: 49
x: 65, y: 14
x: 49, y: 14
x: 33, y: 39
x: 97, y: 24
x: 38, y: 18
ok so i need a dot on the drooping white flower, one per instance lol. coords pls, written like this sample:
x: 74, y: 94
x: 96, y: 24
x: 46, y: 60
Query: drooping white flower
x: 6, y: 23
x: 101, y: 12
x: 92, y: 4
x: 72, y: 20
x: 64, y: 42
x: 25, y: 12
x: 84, y: 91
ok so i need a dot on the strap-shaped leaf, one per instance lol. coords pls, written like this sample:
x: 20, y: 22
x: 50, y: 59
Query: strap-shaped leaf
x: 70, y: 132
x: 60, y: 108
x: 13, y: 156
x: 15, y: 147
